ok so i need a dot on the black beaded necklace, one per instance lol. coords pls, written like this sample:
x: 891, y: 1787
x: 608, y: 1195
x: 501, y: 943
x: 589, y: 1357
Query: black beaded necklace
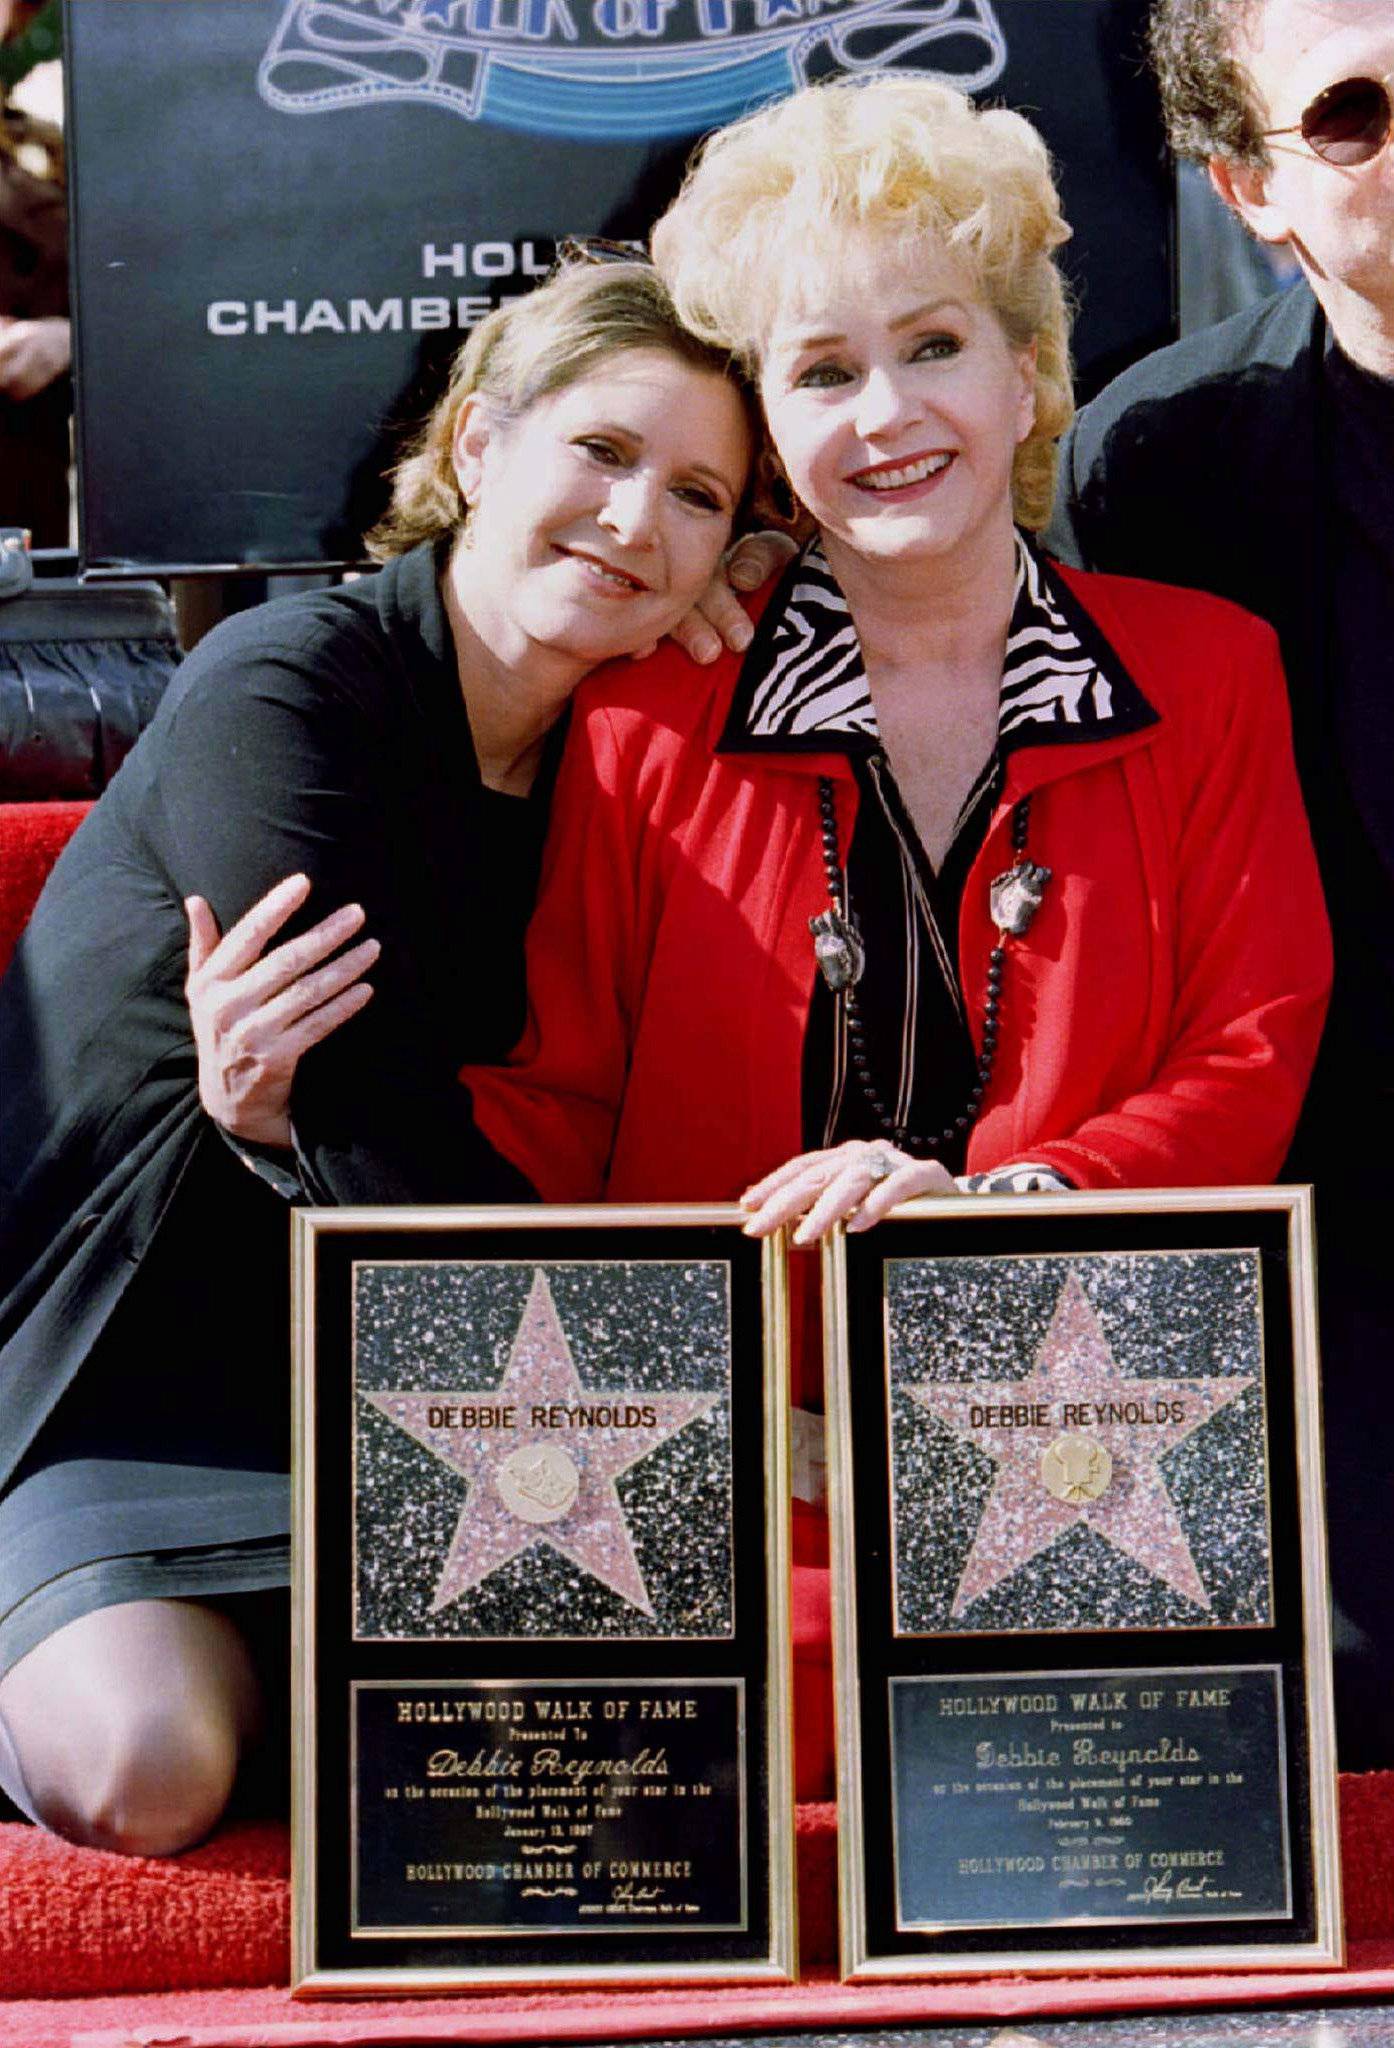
x: 1014, y: 898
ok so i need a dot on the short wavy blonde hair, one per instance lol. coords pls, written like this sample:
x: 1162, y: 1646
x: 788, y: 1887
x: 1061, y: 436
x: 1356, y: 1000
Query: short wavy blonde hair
x: 526, y: 349
x: 906, y: 156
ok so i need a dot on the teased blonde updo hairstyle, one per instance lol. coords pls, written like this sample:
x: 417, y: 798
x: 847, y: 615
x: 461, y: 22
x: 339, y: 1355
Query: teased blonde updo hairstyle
x: 525, y: 350
x: 903, y: 156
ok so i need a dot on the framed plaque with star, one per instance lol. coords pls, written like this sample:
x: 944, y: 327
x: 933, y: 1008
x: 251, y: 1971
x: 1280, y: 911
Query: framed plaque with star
x: 542, y: 1631
x: 1081, y: 1623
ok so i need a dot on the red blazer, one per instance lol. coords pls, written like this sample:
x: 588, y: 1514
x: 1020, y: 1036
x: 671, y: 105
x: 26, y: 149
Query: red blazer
x: 1160, y: 1018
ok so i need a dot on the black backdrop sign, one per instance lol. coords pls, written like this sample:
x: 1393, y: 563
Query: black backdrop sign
x: 288, y: 212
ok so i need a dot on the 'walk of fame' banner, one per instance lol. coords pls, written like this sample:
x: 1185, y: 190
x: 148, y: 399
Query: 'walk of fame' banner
x: 288, y: 214
x: 1081, y: 1617
x: 541, y: 1591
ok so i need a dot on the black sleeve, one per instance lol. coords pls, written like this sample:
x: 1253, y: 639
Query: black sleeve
x: 1065, y: 535
x: 282, y: 754
x: 1140, y: 490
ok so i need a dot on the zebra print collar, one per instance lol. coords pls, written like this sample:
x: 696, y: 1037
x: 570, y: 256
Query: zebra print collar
x: 803, y: 687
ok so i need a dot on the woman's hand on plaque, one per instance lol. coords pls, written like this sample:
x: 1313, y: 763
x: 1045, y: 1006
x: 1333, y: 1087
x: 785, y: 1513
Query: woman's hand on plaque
x: 857, y: 1183
x: 255, y: 1012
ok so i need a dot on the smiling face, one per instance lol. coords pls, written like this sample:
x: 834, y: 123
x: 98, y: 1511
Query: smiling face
x: 1336, y: 219
x: 598, y: 514
x: 896, y: 404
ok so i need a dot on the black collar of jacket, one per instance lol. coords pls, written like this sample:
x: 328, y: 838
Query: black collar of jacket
x: 408, y: 593
x: 408, y: 589
x: 1082, y: 694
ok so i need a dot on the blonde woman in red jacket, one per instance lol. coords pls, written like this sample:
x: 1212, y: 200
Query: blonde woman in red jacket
x: 974, y: 865
x: 973, y: 869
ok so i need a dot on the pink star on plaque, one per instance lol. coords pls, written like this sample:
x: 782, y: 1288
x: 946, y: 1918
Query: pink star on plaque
x: 1077, y: 1441
x: 542, y: 1454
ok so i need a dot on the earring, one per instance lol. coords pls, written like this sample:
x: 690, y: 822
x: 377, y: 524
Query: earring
x: 465, y: 525
x: 773, y: 491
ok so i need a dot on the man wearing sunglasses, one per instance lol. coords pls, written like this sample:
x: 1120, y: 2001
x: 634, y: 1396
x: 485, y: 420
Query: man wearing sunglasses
x: 1256, y: 459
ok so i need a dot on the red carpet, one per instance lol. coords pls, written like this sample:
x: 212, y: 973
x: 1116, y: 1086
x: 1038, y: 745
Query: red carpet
x: 178, y: 1938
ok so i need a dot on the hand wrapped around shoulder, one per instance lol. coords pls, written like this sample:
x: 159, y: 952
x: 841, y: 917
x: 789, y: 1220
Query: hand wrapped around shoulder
x: 254, y: 1013
x: 718, y: 621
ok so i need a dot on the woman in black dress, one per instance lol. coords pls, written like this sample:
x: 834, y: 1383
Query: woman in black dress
x: 389, y: 746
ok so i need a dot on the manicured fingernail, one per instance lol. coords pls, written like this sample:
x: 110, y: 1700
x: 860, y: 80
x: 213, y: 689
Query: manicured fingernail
x: 740, y: 634
x: 745, y: 575
x: 707, y: 648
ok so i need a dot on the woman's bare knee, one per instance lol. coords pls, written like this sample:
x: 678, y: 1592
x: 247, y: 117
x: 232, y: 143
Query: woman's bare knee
x: 128, y: 1724
x: 156, y: 1785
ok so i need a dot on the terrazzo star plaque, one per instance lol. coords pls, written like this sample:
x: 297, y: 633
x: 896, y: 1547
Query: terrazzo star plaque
x: 502, y: 1491
x: 1078, y: 1443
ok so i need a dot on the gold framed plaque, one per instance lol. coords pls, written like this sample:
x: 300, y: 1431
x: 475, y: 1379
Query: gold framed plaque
x: 1081, y: 1623
x: 541, y: 1641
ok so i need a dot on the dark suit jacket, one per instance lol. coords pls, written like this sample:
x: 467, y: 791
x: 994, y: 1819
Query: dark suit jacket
x: 1200, y: 465
x: 1204, y: 465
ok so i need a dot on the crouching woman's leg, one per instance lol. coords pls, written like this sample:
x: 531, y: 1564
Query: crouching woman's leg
x: 124, y: 1729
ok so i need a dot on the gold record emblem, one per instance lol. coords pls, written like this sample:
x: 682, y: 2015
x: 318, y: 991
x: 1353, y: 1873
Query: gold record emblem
x: 538, y: 1483
x: 1076, y: 1468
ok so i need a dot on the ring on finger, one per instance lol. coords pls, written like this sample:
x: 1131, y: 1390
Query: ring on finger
x: 880, y: 1163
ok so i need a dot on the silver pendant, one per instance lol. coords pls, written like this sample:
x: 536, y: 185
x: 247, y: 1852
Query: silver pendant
x: 1015, y: 897
x: 838, y: 949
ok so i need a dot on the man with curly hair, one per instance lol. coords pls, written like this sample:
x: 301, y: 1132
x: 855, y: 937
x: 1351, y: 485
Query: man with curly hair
x: 1256, y: 460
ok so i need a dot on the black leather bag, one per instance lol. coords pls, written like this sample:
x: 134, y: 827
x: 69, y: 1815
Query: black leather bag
x: 82, y: 668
